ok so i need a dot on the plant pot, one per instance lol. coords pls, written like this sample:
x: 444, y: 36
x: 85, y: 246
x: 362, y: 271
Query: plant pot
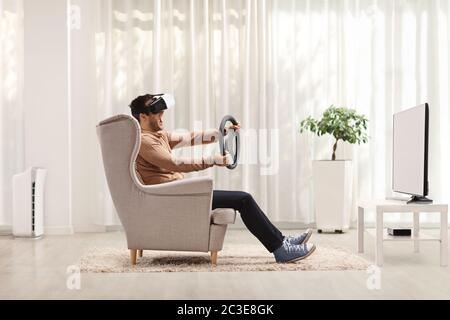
x: 332, y: 194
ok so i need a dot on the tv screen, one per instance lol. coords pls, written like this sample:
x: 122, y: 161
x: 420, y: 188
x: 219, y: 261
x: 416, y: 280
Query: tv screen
x: 410, y: 151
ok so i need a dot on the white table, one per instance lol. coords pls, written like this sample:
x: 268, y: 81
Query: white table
x: 383, y: 206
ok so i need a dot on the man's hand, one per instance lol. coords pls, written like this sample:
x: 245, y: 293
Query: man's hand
x: 235, y: 127
x: 220, y: 160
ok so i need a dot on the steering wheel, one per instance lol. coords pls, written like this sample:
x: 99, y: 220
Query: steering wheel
x: 230, y: 141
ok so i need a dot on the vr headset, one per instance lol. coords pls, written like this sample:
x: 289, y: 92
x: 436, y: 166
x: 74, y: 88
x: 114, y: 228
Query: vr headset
x: 162, y: 102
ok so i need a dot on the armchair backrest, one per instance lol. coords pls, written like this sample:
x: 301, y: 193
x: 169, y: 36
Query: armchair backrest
x: 120, y: 139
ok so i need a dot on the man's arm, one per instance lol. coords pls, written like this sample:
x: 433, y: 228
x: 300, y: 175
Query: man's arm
x: 159, y: 156
x: 190, y: 139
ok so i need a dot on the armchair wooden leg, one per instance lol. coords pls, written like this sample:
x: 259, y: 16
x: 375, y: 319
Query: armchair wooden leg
x: 133, y: 256
x: 214, y: 258
x: 140, y: 253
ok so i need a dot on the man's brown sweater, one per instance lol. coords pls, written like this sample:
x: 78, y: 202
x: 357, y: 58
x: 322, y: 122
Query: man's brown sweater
x: 155, y: 163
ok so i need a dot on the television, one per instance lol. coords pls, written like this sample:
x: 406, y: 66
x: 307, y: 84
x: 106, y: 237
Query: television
x: 410, y: 153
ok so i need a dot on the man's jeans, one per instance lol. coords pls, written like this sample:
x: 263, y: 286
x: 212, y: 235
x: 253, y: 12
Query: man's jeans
x: 253, y: 217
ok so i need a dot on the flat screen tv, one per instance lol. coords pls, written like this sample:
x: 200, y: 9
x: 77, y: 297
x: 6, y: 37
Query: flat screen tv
x: 410, y: 153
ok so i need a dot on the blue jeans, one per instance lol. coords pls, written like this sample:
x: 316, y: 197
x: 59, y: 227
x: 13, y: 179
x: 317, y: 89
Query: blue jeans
x: 252, y: 216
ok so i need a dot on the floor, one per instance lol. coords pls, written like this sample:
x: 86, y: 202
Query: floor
x: 38, y: 270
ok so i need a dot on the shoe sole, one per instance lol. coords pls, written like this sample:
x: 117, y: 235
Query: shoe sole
x: 307, y: 237
x: 302, y: 257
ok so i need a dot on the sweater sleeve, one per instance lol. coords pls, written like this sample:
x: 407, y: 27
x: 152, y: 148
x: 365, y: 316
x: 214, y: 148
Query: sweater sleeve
x: 159, y: 156
x: 189, y: 139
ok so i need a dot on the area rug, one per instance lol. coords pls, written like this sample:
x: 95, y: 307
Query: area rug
x: 234, y: 258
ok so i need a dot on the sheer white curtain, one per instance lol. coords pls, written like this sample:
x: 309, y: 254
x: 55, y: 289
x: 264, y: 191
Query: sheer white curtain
x: 11, y: 115
x: 373, y: 55
x: 271, y: 64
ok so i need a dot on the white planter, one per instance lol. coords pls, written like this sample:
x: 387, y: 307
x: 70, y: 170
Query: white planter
x: 332, y: 194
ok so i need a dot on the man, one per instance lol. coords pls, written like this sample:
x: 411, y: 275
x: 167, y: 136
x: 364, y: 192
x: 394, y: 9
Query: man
x: 155, y: 164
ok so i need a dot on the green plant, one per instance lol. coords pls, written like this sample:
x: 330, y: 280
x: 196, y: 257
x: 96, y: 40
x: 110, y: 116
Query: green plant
x: 342, y: 123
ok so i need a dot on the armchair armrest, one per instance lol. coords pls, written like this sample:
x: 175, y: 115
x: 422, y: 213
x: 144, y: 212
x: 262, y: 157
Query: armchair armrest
x: 185, y: 187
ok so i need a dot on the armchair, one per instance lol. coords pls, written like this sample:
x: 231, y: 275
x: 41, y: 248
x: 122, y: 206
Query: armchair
x: 174, y: 216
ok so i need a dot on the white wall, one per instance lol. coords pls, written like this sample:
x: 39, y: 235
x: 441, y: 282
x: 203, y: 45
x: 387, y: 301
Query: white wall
x: 60, y: 110
x: 83, y: 99
x: 87, y: 208
x: 11, y: 103
x: 47, y: 105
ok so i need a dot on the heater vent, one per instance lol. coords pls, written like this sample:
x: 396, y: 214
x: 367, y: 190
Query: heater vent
x: 33, y: 206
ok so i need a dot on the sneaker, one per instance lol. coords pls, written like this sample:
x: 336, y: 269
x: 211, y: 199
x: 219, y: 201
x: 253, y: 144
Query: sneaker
x: 299, y: 239
x: 291, y: 253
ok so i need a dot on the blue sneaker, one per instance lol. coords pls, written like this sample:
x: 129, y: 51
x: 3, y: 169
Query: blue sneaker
x: 291, y: 253
x: 300, y: 238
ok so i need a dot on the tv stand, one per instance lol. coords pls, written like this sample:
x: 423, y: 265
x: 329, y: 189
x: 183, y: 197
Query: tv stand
x: 416, y: 209
x: 419, y: 199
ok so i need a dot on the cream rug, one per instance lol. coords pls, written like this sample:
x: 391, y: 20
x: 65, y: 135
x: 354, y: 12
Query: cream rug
x: 234, y: 258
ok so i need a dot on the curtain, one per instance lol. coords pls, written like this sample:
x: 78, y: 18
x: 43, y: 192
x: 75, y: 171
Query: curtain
x: 271, y: 64
x: 11, y: 114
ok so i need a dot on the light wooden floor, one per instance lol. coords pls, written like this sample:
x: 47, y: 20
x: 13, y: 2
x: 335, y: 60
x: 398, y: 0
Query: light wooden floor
x: 37, y: 270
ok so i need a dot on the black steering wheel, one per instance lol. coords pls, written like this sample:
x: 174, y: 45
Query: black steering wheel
x: 230, y: 141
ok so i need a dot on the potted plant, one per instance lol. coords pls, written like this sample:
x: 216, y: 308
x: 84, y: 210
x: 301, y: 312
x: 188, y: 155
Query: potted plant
x: 333, y: 179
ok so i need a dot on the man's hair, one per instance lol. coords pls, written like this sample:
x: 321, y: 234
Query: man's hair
x: 138, y: 105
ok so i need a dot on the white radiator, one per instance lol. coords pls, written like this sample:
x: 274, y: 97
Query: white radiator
x: 28, y: 203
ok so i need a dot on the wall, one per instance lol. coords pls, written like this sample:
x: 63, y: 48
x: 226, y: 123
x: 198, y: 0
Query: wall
x: 60, y: 114
x: 47, y: 105
x: 89, y: 199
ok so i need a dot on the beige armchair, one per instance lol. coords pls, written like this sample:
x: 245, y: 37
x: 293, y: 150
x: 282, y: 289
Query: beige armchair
x: 174, y: 216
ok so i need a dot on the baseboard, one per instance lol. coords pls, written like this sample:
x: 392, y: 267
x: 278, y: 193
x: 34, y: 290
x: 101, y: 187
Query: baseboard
x: 239, y: 225
x: 423, y: 225
x: 89, y: 229
x: 97, y: 228
x: 52, y: 231
x: 58, y: 231
x: 5, y: 230
x: 285, y: 225
x: 114, y: 228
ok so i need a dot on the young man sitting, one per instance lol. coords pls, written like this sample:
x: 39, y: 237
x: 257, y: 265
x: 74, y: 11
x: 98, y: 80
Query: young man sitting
x: 156, y: 165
